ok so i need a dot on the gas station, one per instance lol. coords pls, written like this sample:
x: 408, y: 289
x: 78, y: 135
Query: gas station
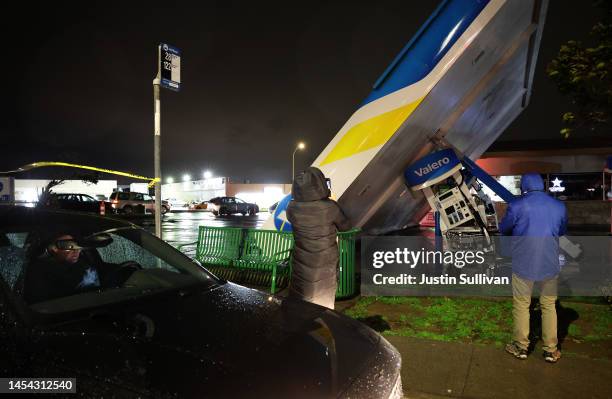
x: 418, y: 169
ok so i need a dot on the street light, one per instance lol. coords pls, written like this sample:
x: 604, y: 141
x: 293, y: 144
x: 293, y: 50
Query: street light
x: 207, y: 174
x: 300, y: 147
x: 170, y: 180
x: 186, y: 177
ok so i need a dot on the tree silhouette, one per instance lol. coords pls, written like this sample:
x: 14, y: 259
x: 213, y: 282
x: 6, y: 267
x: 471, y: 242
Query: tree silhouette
x: 582, y: 72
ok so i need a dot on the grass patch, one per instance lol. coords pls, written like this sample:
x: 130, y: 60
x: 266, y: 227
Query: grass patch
x: 477, y: 320
x: 360, y: 309
x: 574, y: 330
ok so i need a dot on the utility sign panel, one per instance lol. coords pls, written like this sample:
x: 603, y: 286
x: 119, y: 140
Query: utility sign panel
x: 170, y: 67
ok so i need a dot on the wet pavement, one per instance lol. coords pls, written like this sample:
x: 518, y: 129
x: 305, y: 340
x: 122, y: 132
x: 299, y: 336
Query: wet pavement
x: 179, y: 228
x: 437, y: 369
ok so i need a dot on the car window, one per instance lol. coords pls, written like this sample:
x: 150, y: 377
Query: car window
x: 12, y: 256
x: 87, y: 198
x: 113, y: 196
x: 229, y: 201
x: 123, y: 250
x: 147, y: 197
x: 138, y: 197
x: 17, y: 239
x: 239, y: 201
x: 124, y: 196
x: 151, y: 265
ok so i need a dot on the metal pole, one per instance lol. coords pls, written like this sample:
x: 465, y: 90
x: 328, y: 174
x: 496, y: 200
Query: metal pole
x: 293, y: 164
x: 157, y: 156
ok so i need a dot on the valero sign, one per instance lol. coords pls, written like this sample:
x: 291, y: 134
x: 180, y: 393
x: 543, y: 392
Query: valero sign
x: 431, y: 167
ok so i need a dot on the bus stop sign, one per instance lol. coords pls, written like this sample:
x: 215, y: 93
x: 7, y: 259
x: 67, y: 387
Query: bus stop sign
x: 170, y: 67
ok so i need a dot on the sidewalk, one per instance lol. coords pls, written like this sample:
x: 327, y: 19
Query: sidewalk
x: 434, y: 369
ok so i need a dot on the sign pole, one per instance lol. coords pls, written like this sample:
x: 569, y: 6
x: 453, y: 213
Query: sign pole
x: 157, y: 156
x: 168, y: 77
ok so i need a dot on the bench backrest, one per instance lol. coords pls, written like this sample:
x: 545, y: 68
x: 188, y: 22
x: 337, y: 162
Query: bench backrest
x: 266, y: 246
x: 222, y: 243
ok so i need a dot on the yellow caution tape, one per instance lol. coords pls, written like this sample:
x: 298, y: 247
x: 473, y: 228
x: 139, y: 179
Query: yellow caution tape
x: 34, y: 165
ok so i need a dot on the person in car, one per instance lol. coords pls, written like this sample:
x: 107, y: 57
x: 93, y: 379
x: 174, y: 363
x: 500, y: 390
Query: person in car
x: 60, y: 271
x: 316, y: 220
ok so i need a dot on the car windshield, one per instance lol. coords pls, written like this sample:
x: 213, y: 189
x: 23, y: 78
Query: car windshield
x: 71, y: 272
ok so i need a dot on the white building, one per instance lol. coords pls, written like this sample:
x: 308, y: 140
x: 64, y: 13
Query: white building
x: 195, y: 190
x: 28, y: 190
x: 263, y: 195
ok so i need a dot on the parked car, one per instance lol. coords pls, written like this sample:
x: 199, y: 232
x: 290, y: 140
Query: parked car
x: 231, y: 205
x: 177, y: 204
x: 160, y: 325
x: 76, y: 202
x: 202, y: 205
x: 135, y: 203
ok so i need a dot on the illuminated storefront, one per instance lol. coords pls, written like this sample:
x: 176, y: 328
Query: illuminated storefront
x: 576, y: 172
x: 263, y: 195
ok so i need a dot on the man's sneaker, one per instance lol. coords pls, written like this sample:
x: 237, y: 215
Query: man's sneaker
x: 514, y: 349
x: 552, y: 357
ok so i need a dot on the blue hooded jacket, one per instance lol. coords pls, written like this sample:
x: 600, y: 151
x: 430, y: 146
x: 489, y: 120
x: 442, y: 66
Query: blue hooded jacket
x: 536, y: 221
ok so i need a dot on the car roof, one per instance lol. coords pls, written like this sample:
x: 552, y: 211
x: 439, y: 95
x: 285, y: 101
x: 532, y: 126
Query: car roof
x: 32, y: 218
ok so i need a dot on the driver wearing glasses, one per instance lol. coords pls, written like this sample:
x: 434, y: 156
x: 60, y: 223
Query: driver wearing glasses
x: 60, y: 271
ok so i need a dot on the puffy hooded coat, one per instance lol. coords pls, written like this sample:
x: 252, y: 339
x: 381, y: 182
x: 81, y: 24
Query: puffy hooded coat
x: 536, y: 221
x: 315, y: 220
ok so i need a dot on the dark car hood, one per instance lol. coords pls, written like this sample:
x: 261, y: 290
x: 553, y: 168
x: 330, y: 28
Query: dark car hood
x: 230, y: 341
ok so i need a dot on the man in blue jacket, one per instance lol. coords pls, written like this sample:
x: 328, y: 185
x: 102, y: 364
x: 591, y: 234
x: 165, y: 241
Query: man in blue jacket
x: 535, y: 221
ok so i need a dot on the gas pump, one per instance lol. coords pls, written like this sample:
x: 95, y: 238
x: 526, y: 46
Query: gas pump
x: 463, y: 210
x: 453, y: 188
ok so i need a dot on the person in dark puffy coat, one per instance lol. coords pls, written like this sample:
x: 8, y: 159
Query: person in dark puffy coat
x: 535, y: 222
x: 315, y: 219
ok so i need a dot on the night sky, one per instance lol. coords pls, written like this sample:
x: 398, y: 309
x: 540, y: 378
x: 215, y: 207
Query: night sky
x: 257, y: 78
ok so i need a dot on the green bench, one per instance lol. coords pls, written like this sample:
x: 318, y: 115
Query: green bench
x: 264, y: 257
x: 218, y: 245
